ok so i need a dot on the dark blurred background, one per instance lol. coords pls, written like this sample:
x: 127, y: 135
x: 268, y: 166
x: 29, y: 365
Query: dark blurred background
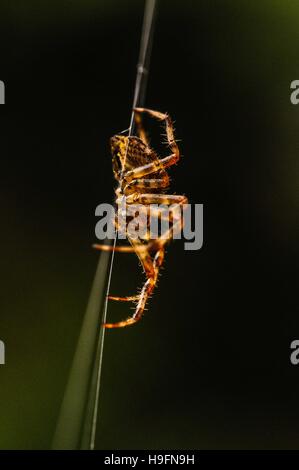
x: 208, y: 366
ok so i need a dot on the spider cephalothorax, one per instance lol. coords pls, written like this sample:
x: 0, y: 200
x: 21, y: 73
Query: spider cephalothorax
x: 129, y: 153
x: 142, y: 178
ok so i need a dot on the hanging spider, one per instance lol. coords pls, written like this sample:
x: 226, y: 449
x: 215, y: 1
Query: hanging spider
x: 143, y: 179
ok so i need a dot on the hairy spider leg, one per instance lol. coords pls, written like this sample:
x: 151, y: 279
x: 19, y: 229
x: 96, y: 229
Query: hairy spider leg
x: 132, y: 298
x: 161, y: 163
x: 145, y: 293
x: 150, y: 198
x: 177, y: 225
x: 147, y: 183
x: 168, y: 125
x: 147, y: 264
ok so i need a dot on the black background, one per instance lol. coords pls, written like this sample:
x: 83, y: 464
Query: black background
x: 208, y: 366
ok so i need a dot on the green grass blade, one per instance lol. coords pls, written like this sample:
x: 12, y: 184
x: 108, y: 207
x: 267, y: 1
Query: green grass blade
x: 73, y: 421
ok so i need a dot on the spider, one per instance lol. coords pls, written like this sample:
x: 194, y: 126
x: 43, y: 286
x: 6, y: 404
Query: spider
x: 143, y: 179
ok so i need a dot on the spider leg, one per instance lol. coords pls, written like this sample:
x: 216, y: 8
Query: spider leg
x: 166, y: 236
x: 168, y: 125
x: 161, y: 163
x: 177, y: 221
x: 156, y: 199
x: 147, y: 183
x: 157, y: 214
x: 120, y: 249
x: 152, y: 280
x: 129, y: 298
x: 153, y: 167
x: 147, y: 264
x: 168, y: 199
x: 145, y: 293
